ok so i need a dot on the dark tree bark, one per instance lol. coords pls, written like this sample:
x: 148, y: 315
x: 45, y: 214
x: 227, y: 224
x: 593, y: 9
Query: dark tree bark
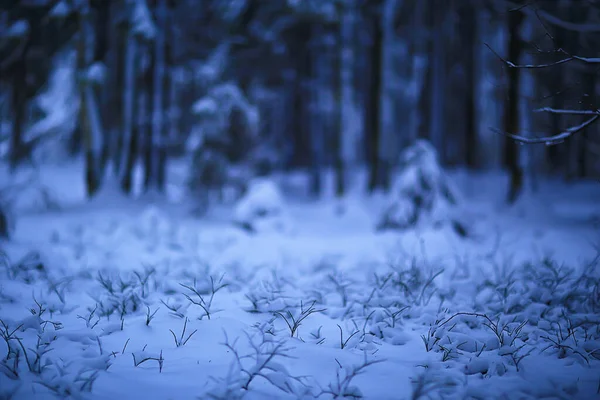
x: 130, y: 110
x: 470, y: 32
x: 18, y: 104
x: 301, y: 123
x: 146, y: 139
x: 373, y: 111
x: 161, y: 153
x: 511, y: 111
x: 101, y: 36
x: 127, y: 181
x: 437, y: 92
x: 338, y: 162
x: 93, y: 176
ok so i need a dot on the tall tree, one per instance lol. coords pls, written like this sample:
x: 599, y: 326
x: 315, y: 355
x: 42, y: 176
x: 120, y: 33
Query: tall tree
x: 373, y: 109
x: 89, y: 117
x: 511, y: 110
x: 419, y: 67
x: 387, y: 146
x: 438, y: 83
x: 128, y: 147
x: 158, y: 104
x: 347, y: 133
x: 470, y: 32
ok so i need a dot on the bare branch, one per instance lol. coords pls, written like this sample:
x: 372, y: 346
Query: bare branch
x: 510, y: 64
x: 554, y: 20
x: 531, y: 66
x: 572, y: 26
x: 550, y: 140
x: 567, y: 112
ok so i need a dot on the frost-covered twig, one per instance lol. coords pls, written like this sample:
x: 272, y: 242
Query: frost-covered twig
x: 294, y: 322
x: 142, y: 357
x: 182, y: 340
x: 205, y: 305
x: 175, y: 309
x: 342, y: 386
x: 150, y: 315
x: 344, y: 342
x: 89, y: 323
x: 260, y: 363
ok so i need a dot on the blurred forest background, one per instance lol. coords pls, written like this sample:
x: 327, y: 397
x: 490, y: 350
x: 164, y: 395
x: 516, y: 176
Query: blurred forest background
x: 244, y: 88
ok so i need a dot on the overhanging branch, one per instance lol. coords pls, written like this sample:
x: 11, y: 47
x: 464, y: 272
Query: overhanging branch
x: 550, y: 140
x: 554, y: 20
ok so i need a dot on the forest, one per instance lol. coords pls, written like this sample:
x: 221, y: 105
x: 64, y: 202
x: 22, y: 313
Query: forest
x: 299, y: 199
x: 299, y: 85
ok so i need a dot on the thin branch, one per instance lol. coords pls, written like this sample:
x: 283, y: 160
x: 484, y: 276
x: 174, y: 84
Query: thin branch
x: 530, y: 66
x: 572, y: 26
x: 569, y: 58
x: 567, y: 112
x: 550, y: 140
x: 554, y: 20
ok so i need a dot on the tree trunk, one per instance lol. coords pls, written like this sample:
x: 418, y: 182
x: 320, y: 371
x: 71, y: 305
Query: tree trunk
x: 300, y: 115
x: 419, y: 67
x: 373, y: 112
x: 388, y: 140
x: 316, y: 115
x: 146, y: 108
x: 438, y: 93
x: 18, y: 103
x: 347, y: 133
x: 88, y: 118
x: 158, y: 149
x: 470, y: 33
x: 511, y: 112
x: 527, y: 154
x: 128, y: 141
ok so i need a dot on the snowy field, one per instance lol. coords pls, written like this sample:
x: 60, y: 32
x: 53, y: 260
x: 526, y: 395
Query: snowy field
x: 140, y: 299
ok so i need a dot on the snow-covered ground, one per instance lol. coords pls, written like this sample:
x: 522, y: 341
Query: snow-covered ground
x: 137, y: 299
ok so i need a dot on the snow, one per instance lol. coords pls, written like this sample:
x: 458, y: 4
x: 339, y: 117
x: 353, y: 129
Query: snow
x: 421, y: 193
x: 59, y: 103
x: 18, y: 29
x: 262, y: 208
x: 96, y: 73
x: 135, y: 299
x: 141, y: 19
x: 61, y: 10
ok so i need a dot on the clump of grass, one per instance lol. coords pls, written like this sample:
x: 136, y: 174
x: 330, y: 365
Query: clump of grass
x: 260, y: 363
x: 30, y: 268
x: 197, y: 298
x: 150, y: 315
x: 294, y: 320
x: 344, y: 342
x: 182, y: 339
x: 176, y: 310
x: 142, y: 357
x: 342, y: 387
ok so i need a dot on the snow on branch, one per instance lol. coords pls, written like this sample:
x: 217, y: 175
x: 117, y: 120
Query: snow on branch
x: 550, y: 140
x: 510, y: 64
x: 567, y: 112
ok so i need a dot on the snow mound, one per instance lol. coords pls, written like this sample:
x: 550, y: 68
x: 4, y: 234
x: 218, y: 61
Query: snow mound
x: 422, y: 194
x: 262, y: 208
